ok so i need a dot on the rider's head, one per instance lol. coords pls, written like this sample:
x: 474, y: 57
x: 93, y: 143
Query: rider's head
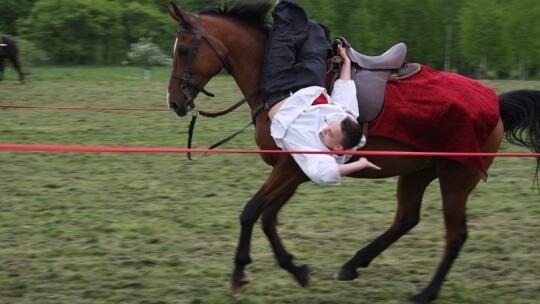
x: 352, y: 133
x: 341, y: 135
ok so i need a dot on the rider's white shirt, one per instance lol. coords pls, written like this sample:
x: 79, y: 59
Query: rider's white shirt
x: 297, y: 124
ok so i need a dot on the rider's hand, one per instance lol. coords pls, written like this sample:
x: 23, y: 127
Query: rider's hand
x: 356, y: 166
x: 364, y: 163
x: 343, y: 52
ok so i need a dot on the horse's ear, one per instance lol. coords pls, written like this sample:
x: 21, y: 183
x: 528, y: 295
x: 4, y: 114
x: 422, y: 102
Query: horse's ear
x: 179, y: 15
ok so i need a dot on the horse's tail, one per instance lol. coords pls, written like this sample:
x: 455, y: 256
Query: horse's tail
x: 520, y: 113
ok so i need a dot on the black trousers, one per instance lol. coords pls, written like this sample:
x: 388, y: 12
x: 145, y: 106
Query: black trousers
x: 296, y: 52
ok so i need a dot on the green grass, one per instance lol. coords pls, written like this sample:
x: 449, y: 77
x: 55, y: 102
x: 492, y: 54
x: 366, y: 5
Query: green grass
x: 156, y: 228
x: 82, y: 73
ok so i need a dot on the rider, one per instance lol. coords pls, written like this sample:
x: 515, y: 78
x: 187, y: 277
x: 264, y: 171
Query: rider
x: 304, y: 117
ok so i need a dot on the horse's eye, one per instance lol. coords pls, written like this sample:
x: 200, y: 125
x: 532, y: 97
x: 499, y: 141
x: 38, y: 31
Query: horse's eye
x: 183, y: 51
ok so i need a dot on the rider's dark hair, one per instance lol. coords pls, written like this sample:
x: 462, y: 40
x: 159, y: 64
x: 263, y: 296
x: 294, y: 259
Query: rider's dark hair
x: 352, y: 133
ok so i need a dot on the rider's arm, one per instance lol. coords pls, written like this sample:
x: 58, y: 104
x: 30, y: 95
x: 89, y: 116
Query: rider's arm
x: 346, y: 67
x: 344, y: 91
x: 323, y: 169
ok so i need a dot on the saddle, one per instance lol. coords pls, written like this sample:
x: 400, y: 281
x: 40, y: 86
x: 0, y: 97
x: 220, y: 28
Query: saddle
x: 370, y: 74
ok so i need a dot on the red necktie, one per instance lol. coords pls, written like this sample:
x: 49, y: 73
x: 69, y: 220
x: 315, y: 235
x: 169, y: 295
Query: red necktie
x: 320, y: 100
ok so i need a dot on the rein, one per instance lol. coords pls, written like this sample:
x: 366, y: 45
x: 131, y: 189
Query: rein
x: 186, y: 82
x: 195, y: 114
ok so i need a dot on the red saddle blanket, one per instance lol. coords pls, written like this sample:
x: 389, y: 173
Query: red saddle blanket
x: 437, y: 111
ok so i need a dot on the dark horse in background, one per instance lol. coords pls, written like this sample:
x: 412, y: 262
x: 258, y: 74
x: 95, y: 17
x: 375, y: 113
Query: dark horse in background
x: 8, y: 50
x: 234, y: 37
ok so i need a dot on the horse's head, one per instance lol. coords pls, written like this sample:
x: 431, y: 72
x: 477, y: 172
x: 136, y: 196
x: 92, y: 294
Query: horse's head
x: 196, y: 59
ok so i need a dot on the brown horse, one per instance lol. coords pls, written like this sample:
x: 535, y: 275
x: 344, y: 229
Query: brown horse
x: 8, y: 50
x: 234, y: 37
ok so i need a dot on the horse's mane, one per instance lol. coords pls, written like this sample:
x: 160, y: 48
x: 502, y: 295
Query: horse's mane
x: 252, y: 14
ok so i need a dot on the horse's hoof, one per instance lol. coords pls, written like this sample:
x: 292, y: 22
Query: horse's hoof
x: 302, y: 275
x: 345, y: 275
x: 240, y: 282
x: 421, y: 298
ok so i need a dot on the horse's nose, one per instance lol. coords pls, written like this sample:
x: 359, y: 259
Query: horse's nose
x: 175, y: 106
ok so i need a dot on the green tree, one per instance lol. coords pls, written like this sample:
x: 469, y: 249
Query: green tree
x: 374, y: 26
x: 10, y: 11
x: 98, y: 32
x: 146, y: 53
x: 480, y: 42
x: 450, y: 10
x: 140, y: 20
x: 520, y: 36
x: 194, y: 6
x: 423, y: 31
x: 471, y: 35
x: 30, y: 54
x: 76, y: 31
x: 357, y: 21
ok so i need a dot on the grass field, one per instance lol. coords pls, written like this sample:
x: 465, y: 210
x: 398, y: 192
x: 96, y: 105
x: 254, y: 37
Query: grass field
x: 157, y: 228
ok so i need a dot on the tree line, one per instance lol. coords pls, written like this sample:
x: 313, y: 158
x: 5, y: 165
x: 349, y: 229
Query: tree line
x: 480, y: 38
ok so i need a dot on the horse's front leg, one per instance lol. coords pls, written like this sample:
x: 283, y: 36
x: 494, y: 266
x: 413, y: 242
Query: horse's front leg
x: 411, y: 190
x: 269, y: 220
x: 252, y: 211
x: 279, y: 187
x: 1, y: 69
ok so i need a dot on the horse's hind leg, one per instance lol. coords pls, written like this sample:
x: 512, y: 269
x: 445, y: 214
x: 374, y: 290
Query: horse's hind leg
x: 410, y: 191
x: 276, y: 191
x: 456, y: 183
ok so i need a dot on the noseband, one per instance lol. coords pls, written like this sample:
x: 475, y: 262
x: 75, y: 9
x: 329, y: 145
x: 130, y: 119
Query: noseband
x: 186, y: 82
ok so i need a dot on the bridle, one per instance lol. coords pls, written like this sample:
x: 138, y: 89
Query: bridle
x: 186, y: 80
x: 187, y: 83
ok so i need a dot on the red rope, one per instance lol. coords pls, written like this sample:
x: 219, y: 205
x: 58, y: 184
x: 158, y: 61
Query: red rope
x: 117, y: 149
x: 94, y: 108
x: 80, y: 108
